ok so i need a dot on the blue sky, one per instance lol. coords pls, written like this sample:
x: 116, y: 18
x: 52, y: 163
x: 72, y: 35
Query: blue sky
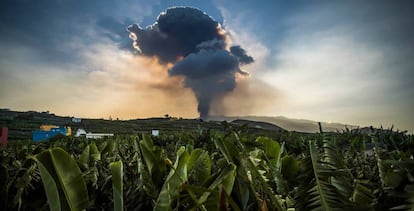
x: 341, y: 61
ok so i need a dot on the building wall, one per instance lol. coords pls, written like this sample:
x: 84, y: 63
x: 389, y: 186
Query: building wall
x: 98, y: 135
x: 40, y: 135
x: 4, y: 132
x: 68, y: 131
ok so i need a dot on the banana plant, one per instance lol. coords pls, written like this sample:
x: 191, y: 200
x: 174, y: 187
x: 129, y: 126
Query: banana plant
x: 199, y: 167
x: 248, y: 173
x: 271, y: 157
x: 176, y: 178
x: 89, y: 154
x: 397, y: 179
x: 87, y: 161
x: 217, y: 172
x: 214, y: 193
x: 152, y: 166
x: 326, y: 182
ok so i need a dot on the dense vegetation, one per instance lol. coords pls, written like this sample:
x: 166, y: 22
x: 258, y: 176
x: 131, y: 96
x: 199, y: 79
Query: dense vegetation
x: 211, y: 170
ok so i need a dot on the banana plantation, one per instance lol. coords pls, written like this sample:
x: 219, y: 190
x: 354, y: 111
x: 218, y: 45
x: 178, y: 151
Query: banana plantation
x: 208, y: 170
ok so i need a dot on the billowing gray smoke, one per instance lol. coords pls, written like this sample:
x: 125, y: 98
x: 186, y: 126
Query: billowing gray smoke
x: 196, y: 45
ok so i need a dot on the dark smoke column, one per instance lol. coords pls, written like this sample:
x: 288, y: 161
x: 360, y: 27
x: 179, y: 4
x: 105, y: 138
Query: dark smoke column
x: 196, y: 45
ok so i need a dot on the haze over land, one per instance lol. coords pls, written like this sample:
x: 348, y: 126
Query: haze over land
x: 348, y: 62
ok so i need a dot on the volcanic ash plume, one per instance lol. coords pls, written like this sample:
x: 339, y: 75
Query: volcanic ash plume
x: 196, y: 45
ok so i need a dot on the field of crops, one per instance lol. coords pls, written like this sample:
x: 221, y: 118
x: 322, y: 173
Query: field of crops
x: 210, y: 170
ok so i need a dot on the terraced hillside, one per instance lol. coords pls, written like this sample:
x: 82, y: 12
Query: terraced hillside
x: 21, y: 124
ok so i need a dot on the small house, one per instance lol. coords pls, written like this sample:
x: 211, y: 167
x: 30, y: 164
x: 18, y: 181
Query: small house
x: 80, y: 132
x: 76, y: 120
x: 155, y: 132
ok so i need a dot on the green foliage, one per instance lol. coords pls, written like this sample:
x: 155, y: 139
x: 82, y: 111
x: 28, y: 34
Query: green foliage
x: 199, y: 167
x: 270, y: 147
x: 327, y: 183
x: 4, y: 175
x: 290, y: 168
x: 117, y: 184
x: 213, y: 170
x: 152, y: 166
x: 362, y: 196
x: 176, y: 178
x: 62, y: 180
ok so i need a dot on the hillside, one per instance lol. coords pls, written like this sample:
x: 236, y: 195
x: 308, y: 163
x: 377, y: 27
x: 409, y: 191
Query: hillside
x: 257, y: 124
x: 21, y: 124
x: 299, y: 125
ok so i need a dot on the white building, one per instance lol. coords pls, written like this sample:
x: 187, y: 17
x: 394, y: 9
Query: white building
x: 155, y: 132
x: 98, y: 135
x: 82, y: 132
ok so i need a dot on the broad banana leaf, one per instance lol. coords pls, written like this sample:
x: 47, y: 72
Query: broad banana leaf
x: 323, y: 182
x: 228, y: 149
x: 107, y: 147
x: 84, y: 157
x: 210, y: 196
x: 225, y: 178
x: 290, y: 168
x: 176, y: 178
x: 117, y: 184
x: 152, y: 163
x: 362, y: 196
x: 94, y: 152
x: 199, y: 166
x: 90, y: 153
x: 62, y: 180
x: 271, y: 148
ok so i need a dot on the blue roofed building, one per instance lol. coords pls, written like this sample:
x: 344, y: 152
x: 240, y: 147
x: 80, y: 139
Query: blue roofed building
x: 41, y: 135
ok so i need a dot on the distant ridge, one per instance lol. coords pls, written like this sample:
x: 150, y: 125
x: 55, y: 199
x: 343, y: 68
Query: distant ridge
x: 257, y: 124
x: 299, y: 125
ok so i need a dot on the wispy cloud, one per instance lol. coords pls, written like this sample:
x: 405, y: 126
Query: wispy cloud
x: 332, y: 72
x: 109, y: 81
